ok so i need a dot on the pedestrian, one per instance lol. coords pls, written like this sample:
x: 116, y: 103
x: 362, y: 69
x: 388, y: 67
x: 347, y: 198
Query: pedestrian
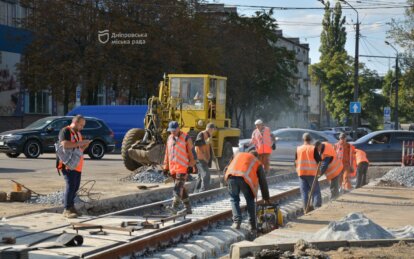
x: 264, y: 142
x: 345, y: 154
x: 204, y: 156
x: 245, y: 174
x: 70, y: 137
x: 331, y: 166
x: 306, y: 163
x: 362, y: 164
x: 179, y: 162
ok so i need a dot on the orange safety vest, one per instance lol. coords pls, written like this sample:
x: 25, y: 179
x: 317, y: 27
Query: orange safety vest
x: 262, y: 141
x: 74, y: 137
x: 360, y: 156
x: 335, y: 167
x: 176, y: 154
x: 340, y: 152
x: 245, y: 165
x: 305, y: 162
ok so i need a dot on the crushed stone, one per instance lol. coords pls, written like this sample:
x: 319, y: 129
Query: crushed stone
x: 302, y: 249
x: 149, y: 174
x: 54, y: 198
x: 400, y: 175
x: 404, y: 232
x: 354, y: 226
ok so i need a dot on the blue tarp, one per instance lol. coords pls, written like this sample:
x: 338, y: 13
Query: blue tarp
x: 120, y: 118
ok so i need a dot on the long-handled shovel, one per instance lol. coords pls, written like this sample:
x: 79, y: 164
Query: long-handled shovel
x: 310, y: 195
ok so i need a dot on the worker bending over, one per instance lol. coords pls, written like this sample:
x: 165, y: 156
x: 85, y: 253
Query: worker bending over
x: 331, y: 166
x: 264, y: 142
x: 245, y: 174
x: 179, y: 162
x: 361, y: 164
x: 306, y: 163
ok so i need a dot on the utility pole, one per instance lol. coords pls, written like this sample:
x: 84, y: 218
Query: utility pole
x: 396, y: 124
x: 356, y: 71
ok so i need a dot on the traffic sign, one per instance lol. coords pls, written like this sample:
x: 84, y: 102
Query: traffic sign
x: 387, y: 111
x: 355, y: 107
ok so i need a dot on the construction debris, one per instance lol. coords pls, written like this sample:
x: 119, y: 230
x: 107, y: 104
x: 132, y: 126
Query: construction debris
x: 354, y: 226
x: 401, y: 175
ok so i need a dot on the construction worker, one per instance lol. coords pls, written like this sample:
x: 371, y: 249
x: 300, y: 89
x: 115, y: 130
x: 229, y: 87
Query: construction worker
x: 344, y: 152
x: 361, y: 164
x: 204, y: 157
x: 331, y: 166
x: 245, y: 174
x: 179, y: 162
x: 264, y: 142
x: 306, y: 163
x: 70, y: 137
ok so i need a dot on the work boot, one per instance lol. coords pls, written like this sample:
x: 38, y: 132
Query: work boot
x: 69, y: 214
x: 236, y: 225
x: 73, y: 210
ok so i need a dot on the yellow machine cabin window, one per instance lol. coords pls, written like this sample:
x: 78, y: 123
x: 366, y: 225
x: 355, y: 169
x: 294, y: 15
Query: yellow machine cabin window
x: 190, y: 91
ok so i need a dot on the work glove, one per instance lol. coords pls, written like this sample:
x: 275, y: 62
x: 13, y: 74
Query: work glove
x: 274, y: 146
x: 190, y: 170
x: 166, y: 172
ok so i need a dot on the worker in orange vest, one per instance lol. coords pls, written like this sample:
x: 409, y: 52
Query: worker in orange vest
x: 306, y: 163
x: 361, y: 164
x: 70, y: 137
x: 245, y: 174
x: 331, y: 166
x: 179, y: 162
x: 264, y: 142
x: 345, y: 154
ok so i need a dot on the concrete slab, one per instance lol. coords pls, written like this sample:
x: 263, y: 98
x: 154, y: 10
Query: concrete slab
x: 200, y: 252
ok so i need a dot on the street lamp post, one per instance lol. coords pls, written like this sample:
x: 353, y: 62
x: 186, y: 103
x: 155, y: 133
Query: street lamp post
x: 356, y: 70
x: 396, y: 124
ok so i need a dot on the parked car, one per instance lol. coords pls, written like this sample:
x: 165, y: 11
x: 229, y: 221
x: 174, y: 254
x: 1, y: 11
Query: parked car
x: 287, y: 140
x: 40, y: 137
x: 336, y: 134
x: 385, y: 145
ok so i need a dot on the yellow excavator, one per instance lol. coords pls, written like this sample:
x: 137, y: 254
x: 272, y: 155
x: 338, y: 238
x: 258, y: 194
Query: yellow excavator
x: 193, y: 100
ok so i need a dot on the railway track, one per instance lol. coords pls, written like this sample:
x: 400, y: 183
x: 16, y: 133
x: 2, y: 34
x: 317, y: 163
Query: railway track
x: 205, y: 233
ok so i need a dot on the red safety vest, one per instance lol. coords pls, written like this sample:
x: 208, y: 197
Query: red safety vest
x: 74, y: 137
x: 176, y: 154
x: 245, y: 165
x: 305, y: 161
x: 262, y: 141
x: 335, y: 167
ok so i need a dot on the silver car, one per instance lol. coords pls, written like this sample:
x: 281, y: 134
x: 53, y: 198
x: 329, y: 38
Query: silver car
x: 287, y: 140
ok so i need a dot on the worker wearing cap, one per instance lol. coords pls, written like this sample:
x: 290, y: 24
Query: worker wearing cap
x: 331, y: 166
x: 361, y: 163
x: 245, y: 174
x: 179, y: 162
x: 204, y: 157
x: 264, y: 141
x: 344, y: 152
x: 306, y: 163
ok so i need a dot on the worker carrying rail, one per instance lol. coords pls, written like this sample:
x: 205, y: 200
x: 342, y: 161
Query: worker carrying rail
x: 264, y: 141
x: 179, y: 162
x: 331, y: 166
x: 306, y: 163
x: 245, y: 174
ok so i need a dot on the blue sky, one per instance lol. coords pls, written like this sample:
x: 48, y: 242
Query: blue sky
x: 306, y: 24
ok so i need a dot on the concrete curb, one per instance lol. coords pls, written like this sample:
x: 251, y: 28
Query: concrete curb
x: 247, y: 248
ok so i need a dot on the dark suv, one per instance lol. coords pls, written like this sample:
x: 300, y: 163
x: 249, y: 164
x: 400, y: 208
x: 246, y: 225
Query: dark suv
x: 40, y: 137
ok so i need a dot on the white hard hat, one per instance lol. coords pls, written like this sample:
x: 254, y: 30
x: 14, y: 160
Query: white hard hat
x: 258, y: 122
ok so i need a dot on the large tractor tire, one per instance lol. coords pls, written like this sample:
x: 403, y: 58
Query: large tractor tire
x: 226, y: 156
x: 131, y: 137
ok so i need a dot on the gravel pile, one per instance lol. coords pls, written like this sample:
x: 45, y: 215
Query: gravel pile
x: 55, y: 198
x: 404, y: 232
x: 401, y: 175
x: 354, y: 226
x: 149, y: 174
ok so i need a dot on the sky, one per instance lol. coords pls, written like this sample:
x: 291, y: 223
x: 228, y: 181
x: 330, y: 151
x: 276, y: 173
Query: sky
x: 306, y: 25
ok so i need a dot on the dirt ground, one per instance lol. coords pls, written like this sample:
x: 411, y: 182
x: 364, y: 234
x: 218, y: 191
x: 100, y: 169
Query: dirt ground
x: 400, y: 250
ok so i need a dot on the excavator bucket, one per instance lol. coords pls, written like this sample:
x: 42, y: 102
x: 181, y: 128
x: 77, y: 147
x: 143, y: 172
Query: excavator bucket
x: 151, y: 154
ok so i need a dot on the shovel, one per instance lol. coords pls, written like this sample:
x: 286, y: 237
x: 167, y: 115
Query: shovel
x: 310, y: 195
